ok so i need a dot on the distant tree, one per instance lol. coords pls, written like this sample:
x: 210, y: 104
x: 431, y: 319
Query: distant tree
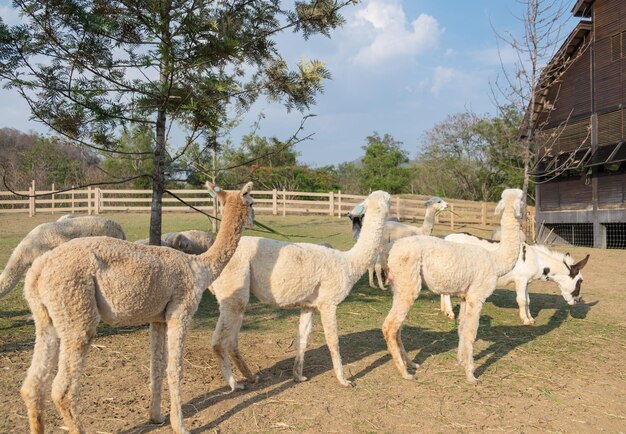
x: 137, y: 144
x: 348, y: 178
x: 92, y: 69
x: 383, y: 165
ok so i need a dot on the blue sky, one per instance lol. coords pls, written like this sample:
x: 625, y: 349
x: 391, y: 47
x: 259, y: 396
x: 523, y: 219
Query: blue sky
x: 398, y: 67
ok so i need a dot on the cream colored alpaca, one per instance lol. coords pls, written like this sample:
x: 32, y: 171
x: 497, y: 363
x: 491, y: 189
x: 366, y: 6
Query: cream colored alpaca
x: 535, y: 262
x: 193, y: 242
x: 85, y: 281
x: 46, y: 237
x: 394, y: 230
x: 450, y: 268
x: 283, y: 274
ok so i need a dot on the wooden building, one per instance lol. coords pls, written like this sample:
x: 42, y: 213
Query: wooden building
x: 580, y: 112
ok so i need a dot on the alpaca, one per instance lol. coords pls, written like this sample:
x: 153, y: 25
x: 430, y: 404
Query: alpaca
x: 394, y: 230
x: 193, y: 242
x: 450, y: 268
x: 72, y: 288
x: 285, y: 274
x: 46, y: 237
x: 535, y: 262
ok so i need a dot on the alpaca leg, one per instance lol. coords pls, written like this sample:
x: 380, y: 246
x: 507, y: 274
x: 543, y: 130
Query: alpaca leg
x: 460, y: 328
x: 176, y: 333
x: 158, y: 355
x: 65, y: 386
x: 220, y: 348
x: 370, y: 275
x: 45, y: 356
x: 521, y: 288
x: 328, y: 314
x: 402, y: 302
x: 302, y: 338
x: 378, y: 268
x: 446, y: 306
x: 233, y: 349
x: 407, y: 360
x: 467, y: 336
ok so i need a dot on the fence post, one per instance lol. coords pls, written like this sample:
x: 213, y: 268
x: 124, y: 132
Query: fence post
x: 274, y: 202
x: 88, y: 200
x: 339, y: 204
x: 331, y: 203
x: 452, y: 216
x: 73, y: 211
x: 284, y: 203
x: 52, y: 204
x: 96, y: 201
x: 33, y: 199
x: 484, y: 213
x: 30, y: 201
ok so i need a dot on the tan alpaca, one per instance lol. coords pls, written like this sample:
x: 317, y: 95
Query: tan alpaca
x: 450, y: 268
x: 46, y: 237
x: 193, y: 242
x: 394, y: 230
x: 283, y: 274
x: 85, y: 281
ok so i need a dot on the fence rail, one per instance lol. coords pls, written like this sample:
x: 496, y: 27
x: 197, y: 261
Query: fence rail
x: 276, y: 202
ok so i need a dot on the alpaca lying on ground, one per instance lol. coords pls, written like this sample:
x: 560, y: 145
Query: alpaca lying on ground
x: 72, y: 288
x: 394, y: 230
x: 284, y: 274
x: 535, y: 262
x: 46, y: 237
x: 193, y: 242
x: 450, y: 268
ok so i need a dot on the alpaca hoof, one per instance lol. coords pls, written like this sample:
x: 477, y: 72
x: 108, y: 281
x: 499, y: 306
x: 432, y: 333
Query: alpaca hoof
x: 300, y: 378
x: 530, y: 321
x: 254, y: 379
x: 408, y: 376
x: 346, y: 383
x: 450, y: 315
x: 472, y: 380
x: 237, y: 386
x: 157, y: 419
x: 413, y: 365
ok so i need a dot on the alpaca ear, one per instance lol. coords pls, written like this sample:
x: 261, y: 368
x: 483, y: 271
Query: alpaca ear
x: 580, y: 264
x: 216, y: 191
x: 246, y: 189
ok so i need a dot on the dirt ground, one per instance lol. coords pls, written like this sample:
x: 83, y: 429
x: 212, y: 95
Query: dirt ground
x: 564, y: 374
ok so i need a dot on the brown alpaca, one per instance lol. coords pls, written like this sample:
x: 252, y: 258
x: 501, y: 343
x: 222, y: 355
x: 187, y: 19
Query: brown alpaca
x: 85, y: 281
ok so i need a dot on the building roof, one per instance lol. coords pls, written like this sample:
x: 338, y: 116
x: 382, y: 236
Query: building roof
x: 582, y: 8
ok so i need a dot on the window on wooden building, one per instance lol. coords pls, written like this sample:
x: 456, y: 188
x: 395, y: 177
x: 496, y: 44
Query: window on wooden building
x: 576, y: 234
x: 615, y: 235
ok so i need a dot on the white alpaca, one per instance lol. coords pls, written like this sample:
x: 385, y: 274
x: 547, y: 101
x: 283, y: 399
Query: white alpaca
x: 535, y: 262
x: 193, y: 242
x: 85, y: 281
x: 284, y: 274
x: 394, y: 230
x: 46, y: 237
x: 450, y: 268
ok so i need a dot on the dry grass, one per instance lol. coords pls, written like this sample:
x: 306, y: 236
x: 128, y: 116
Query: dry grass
x: 564, y: 374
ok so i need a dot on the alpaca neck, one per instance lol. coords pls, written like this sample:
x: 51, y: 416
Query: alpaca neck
x: 368, y: 246
x: 429, y: 221
x: 227, y: 240
x: 507, y: 253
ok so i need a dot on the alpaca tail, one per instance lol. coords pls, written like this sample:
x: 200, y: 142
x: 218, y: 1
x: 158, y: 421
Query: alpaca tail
x: 13, y: 272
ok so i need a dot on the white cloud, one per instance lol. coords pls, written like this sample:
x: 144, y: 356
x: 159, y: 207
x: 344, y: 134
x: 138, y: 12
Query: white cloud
x: 390, y: 35
x: 441, y: 77
x: 496, y: 56
x: 10, y: 15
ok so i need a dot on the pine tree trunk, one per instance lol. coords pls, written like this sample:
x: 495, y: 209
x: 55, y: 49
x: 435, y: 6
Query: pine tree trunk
x: 158, y: 181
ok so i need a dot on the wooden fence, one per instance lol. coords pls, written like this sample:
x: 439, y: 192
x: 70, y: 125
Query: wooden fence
x: 276, y: 202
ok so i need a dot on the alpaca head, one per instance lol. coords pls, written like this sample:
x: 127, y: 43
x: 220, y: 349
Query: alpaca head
x: 437, y: 203
x: 378, y: 201
x: 570, y: 283
x: 511, y: 198
x: 237, y: 199
x: 356, y: 217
